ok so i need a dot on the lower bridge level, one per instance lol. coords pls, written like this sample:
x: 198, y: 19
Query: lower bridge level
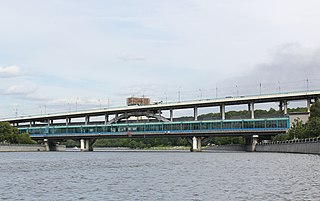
x: 196, y: 131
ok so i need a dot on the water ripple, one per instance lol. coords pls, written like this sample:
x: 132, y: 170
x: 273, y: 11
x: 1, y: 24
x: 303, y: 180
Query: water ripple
x: 159, y: 176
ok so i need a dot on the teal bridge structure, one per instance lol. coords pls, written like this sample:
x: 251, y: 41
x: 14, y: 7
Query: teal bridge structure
x: 148, y: 121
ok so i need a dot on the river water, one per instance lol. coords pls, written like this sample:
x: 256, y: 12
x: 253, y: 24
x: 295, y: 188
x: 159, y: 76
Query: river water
x: 159, y: 176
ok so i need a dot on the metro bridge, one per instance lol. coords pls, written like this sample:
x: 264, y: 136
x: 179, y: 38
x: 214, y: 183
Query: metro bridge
x: 147, y: 121
x: 197, y: 130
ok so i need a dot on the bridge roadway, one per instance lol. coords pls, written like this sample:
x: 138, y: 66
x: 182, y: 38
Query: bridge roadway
x: 282, y: 98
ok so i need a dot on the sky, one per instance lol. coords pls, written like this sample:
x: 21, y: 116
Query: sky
x: 67, y: 55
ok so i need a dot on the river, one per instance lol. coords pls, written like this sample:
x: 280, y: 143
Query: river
x: 159, y: 176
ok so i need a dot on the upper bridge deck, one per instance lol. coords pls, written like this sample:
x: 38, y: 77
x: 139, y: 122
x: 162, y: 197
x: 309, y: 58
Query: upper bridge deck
x: 279, y: 97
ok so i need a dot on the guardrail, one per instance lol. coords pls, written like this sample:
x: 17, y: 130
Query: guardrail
x: 307, y: 140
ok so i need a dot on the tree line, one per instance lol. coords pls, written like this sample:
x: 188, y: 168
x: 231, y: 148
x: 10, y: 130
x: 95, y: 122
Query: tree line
x: 300, y: 130
x: 10, y: 135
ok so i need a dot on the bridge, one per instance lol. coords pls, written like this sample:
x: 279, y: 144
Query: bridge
x: 148, y: 121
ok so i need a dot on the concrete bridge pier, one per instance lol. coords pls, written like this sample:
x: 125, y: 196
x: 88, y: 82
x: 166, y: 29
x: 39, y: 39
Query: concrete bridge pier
x: 196, y: 144
x: 50, y: 145
x: 86, y: 144
x: 251, y: 143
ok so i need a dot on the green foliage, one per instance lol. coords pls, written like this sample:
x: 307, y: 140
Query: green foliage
x: 71, y: 143
x: 8, y: 134
x: 297, y: 130
x: 226, y: 140
x: 281, y: 137
x: 315, y: 109
x: 141, y: 143
x: 24, y: 138
x: 312, y: 127
x: 307, y: 130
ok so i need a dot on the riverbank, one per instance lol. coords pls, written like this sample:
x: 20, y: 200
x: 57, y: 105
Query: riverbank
x: 304, y: 146
x: 27, y: 148
x: 21, y: 147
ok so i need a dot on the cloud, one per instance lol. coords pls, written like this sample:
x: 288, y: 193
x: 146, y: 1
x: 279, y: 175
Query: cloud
x: 291, y: 67
x: 10, y: 71
x: 19, y: 90
x: 127, y: 57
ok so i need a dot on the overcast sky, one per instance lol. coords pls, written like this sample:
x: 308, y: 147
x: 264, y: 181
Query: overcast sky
x: 61, y: 54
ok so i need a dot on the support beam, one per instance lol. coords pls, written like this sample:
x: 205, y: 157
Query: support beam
x: 251, y: 109
x: 50, y: 122
x: 32, y: 123
x: 280, y: 106
x: 251, y: 142
x: 171, y: 115
x: 106, y: 119
x: 82, y: 145
x: 195, y: 112
x: 68, y: 120
x: 159, y: 112
x: 126, y: 117
x: 87, y: 145
x: 87, y: 120
x: 223, y: 111
x: 309, y: 105
x: 46, y: 144
x: 196, y: 144
x: 285, y: 105
x: 148, y: 114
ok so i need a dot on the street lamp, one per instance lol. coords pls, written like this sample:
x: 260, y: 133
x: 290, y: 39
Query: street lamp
x: 260, y: 88
x: 216, y: 92
x: 237, y: 91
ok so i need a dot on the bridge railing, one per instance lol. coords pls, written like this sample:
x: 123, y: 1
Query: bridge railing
x: 306, y: 140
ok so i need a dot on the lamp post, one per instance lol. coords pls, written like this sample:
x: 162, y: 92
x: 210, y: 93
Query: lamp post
x: 237, y: 91
x: 216, y: 92
x: 260, y: 88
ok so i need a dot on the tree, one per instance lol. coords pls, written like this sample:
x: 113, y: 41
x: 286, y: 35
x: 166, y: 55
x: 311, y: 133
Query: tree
x: 297, y: 130
x: 315, y: 109
x: 24, y: 138
x: 8, y: 134
x: 313, y: 127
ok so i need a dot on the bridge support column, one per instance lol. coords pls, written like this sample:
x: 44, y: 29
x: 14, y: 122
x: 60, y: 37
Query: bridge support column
x: 159, y: 112
x: 285, y: 106
x: 82, y: 145
x: 309, y: 105
x: 68, y: 121
x: 50, y: 145
x: 46, y: 144
x: 280, y: 106
x: 251, y: 143
x: 50, y: 122
x: 106, y: 119
x: 87, y: 120
x: 195, y: 112
x: 86, y: 144
x: 171, y: 115
x: 196, y: 144
x: 251, y: 109
x: 223, y: 111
